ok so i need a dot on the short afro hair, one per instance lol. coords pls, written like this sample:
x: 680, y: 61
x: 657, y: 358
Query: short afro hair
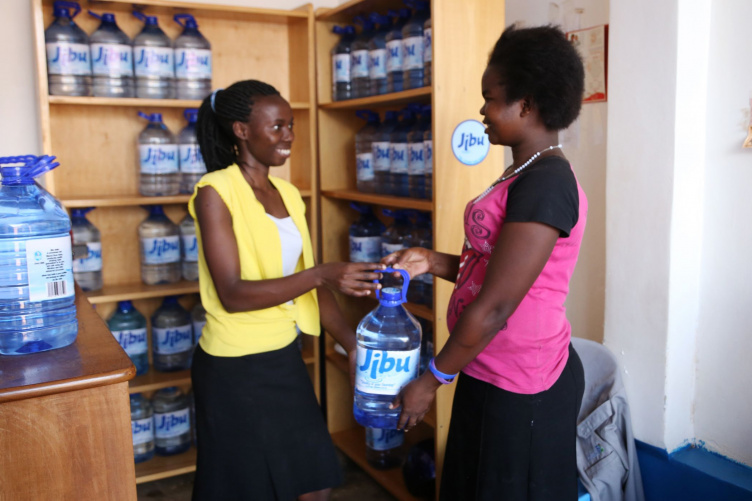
x: 540, y: 62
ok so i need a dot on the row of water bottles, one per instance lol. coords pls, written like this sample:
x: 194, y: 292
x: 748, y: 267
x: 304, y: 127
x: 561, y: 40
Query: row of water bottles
x: 391, y: 53
x: 109, y: 64
x: 164, y: 424
x: 169, y: 165
x: 174, y: 334
x: 395, y: 156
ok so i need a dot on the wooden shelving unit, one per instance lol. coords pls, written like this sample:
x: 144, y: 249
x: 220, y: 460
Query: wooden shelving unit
x: 382, y: 200
x: 133, y: 102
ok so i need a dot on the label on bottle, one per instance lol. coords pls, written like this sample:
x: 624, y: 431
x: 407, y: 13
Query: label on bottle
x: 412, y: 55
x: 387, y: 249
x: 190, y: 248
x: 428, y: 155
x: 385, y: 372
x: 191, y: 161
x: 198, y: 328
x: 142, y: 431
x: 194, y: 63
x: 416, y: 166
x: 158, y: 158
x: 427, y: 45
x: 173, y: 339
x: 341, y: 68
x: 161, y: 250
x: 377, y: 66
x: 359, y: 68
x: 172, y: 424
x: 364, y: 163
x: 133, y: 341
x: 65, y: 58
x: 153, y: 61
x: 49, y: 263
x: 383, y: 440
x: 398, y: 158
x: 380, y: 152
x: 92, y: 261
x: 365, y: 249
x: 115, y: 60
x: 394, y: 56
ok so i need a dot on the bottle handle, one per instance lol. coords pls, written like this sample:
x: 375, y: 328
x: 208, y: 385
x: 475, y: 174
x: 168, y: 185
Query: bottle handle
x: 69, y: 5
x: 37, y: 165
x: 405, y: 281
x: 94, y: 14
x: 182, y: 18
x: 140, y: 16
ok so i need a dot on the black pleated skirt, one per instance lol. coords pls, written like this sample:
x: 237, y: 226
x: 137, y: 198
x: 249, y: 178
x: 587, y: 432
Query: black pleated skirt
x: 260, y: 431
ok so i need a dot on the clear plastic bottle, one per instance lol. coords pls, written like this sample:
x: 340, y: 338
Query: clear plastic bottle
x: 359, y: 67
x: 377, y: 54
x: 142, y: 428
x: 158, y: 161
x: 193, y: 60
x: 394, y: 77
x: 394, y: 236
x: 388, y: 355
x: 87, y: 269
x: 365, y: 177
x: 153, y: 61
x: 416, y: 162
x: 111, y: 59
x: 427, y: 52
x: 398, y: 174
x: 128, y: 326
x: 412, y: 45
x: 198, y: 317
x: 384, y: 448
x: 428, y: 151
x: 171, y: 336
x: 421, y: 235
x: 172, y: 421
x: 192, y: 166
x: 37, y: 308
x: 189, y: 248
x: 341, y: 59
x: 68, y: 56
x: 365, y: 235
x: 380, y: 149
x: 160, y: 248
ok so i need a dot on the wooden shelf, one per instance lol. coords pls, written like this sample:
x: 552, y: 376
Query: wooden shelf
x: 166, y: 466
x: 118, y: 201
x: 128, y: 292
x: 423, y: 94
x: 383, y: 200
x: 155, y: 380
x: 134, y: 102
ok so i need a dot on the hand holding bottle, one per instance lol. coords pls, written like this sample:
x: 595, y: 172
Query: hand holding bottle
x: 414, y: 260
x: 353, y: 279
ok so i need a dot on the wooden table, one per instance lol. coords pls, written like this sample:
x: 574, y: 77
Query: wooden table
x: 65, y: 430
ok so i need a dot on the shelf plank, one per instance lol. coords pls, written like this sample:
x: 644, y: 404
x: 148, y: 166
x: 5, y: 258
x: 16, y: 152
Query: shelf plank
x: 155, y: 380
x: 383, y: 200
x: 127, y: 292
x: 166, y: 466
x: 172, y: 4
x: 119, y: 201
x: 135, y: 102
x: 395, y: 98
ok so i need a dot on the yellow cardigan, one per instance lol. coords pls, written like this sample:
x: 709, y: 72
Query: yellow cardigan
x: 237, y: 334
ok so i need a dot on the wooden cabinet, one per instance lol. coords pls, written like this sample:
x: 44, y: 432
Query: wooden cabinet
x: 94, y: 140
x: 463, y: 35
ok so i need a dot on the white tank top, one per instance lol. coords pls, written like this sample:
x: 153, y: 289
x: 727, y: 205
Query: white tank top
x: 292, y: 243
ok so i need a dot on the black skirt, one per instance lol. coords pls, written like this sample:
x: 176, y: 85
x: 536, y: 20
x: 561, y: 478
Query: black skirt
x: 260, y: 431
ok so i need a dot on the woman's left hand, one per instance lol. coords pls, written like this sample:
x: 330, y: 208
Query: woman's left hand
x: 415, y: 399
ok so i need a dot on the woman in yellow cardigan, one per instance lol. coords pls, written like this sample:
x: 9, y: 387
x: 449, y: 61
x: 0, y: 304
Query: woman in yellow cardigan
x: 260, y: 432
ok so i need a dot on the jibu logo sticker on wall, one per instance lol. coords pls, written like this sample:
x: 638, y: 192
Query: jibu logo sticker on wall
x: 469, y: 142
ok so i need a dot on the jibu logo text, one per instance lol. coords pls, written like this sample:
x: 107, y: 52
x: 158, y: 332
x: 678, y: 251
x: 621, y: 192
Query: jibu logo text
x: 469, y: 142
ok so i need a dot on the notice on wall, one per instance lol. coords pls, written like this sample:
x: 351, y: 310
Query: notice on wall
x: 592, y: 44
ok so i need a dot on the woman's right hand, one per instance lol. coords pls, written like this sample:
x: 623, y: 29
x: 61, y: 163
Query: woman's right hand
x: 415, y: 260
x: 353, y: 279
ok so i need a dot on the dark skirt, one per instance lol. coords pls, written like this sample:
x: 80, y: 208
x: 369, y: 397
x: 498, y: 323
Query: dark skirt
x: 505, y: 446
x: 260, y: 431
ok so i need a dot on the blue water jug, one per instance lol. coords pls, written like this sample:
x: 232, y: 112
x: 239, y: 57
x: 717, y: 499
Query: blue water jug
x: 193, y: 60
x: 341, y: 60
x: 359, y: 67
x: 153, y: 61
x: 365, y: 236
x: 377, y: 54
x: 192, y: 166
x: 380, y: 151
x: 388, y: 355
x: 37, y: 310
x: 412, y: 45
x: 171, y: 336
x: 68, y: 55
x: 394, y: 81
x: 172, y: 421
x: 364, y: 173
x: 416, y: 160
x: 111, y: 59
x: 142, y: 428
x: 384, y: 448
x: 128, y: 326
x: 398, y: 155
x: 87, y: 261
x: 421, y: 235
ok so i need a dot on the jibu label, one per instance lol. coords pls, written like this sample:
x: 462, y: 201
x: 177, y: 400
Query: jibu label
x: 385, y: 372
x: 469, y: 142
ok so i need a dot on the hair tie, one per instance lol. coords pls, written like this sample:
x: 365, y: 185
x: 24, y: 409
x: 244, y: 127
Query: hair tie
x: 213, y: 97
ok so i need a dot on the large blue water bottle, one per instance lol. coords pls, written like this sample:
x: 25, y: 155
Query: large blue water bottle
x: 384, y: 448
x: 394, y: 81
x: 341, y: 60
x: 380, y: 150
x: 111, y: 59
x: 398, y: 155
x: 171, y: 336
x: 412, y: 45
x: 172, y: 421
x: 193, y: 60
x: 37, y: 310
x: 68, y: 56
x: 377, y: 54
x: 158, y: 158
x: 128, y: 326
x: 142, y: 428
x: 359, y: 68
x: 365, y: 236
x: 365, y: 176
x: 153, y: 61
x: 388, y: 355
x: 192, y: 166
x: 428, y: 150
x: 421, y: 235
x: 87, y: 262
x: 416, y: 160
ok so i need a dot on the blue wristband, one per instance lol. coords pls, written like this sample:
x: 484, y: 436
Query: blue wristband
x: 440, y: 376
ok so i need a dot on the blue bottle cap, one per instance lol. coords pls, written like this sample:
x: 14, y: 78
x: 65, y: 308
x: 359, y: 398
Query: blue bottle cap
x: 370, y: 116
x: 60, y: 9
x: 23, y: 169
x: 155, y: 118
x: 156, y: 210
x: 170, y: 300
x: 107, y: 17
x: 80, y: 213
x: 125, y: 306
x: 191, y: 114
x: 147, y: 20
x: 188, y: 21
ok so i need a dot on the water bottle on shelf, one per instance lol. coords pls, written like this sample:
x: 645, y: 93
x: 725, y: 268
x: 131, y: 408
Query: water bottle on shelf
x: 427, y: 52
x: 158, y: 159
x: 87, y: 269
x: 428, y: 151
x: 384, y: 448
x: 193, y: 60
x: 398, y: 182
x: 153, y: 61
x: 416, y: 164
x: 365, y: 176
x: 365, y: 235
x: 128, y: 326
x: 172, y: 423
x: 394, y: 77
x: 380, y: 151
x: 192, y: 165
x: 189, y: 248
x: 377, y: 54
x: 111, y: 59
x: 394, y: 236
x: 412, y: 45
x: 160, y: 248
x: 359, y: 71
x: 142, y: 428
x: 37, y: 308
x: 171, y: 336
x: 341, y: 59
x: 68, y: 56
x: 388, y: 354
x: 421, y: 235
x: 198, y: 318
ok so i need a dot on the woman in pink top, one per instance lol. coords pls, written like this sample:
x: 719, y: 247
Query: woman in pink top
x: 512, y: 433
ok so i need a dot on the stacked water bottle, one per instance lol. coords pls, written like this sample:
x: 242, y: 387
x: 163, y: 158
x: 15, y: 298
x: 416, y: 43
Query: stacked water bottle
x: 111, y: 64
x: 395, y: 156
x: 161, y: 425
x: 390, y: 53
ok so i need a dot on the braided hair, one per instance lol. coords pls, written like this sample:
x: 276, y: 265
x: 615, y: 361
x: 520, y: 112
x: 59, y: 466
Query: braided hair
x: 216, y: 116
